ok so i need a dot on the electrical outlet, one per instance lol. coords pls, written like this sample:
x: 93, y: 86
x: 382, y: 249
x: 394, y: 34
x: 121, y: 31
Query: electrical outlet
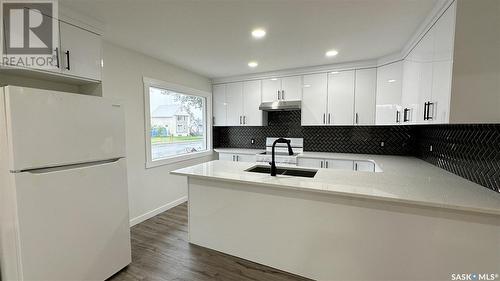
x: 382, y: 144
x: 430, y: 148
x: 252, y: 141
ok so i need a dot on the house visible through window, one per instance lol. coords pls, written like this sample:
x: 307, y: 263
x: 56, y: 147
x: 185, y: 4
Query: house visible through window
x: 178, y: 124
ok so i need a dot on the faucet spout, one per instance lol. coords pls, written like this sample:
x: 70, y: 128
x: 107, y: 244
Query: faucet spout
x: 273, y: 162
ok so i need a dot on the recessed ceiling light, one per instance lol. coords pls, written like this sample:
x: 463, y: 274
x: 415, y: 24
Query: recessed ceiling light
x: 331, y: 53
x: 258, y: 33
x: 334, y: 72
x: 274, y: 79
x: 253, y: 64
x: 391, y: 80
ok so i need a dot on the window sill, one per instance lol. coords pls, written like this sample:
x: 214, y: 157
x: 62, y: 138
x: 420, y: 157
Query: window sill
x: 178, y: 158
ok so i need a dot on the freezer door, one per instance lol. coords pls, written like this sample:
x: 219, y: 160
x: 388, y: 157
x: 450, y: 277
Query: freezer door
x: 73, y: 223
x: 48, y: 128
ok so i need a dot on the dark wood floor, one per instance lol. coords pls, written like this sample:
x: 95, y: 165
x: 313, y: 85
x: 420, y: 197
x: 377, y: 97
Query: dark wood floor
x: 160, y: 251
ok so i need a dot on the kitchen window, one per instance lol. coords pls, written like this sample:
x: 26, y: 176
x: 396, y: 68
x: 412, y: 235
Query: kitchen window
x: 177, y: 127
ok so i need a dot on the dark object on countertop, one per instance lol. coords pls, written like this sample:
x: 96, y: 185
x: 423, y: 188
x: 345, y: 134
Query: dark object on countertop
x: 273, y: 163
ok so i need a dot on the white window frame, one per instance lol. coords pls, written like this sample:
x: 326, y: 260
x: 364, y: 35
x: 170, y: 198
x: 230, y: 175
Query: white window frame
x: 150, y: 82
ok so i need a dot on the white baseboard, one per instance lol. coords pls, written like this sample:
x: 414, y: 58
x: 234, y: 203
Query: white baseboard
x: 157, y: 211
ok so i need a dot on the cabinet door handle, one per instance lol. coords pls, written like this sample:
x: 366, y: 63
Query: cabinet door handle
x: 240, y: 119
x: 329, y: 115
x: 425, y: 111
x: 237, y: 158
x: 67, y: 60
x: 326, y: 164
x: 321, y: 164
x: 357, y: 118
x: 233, y: 158
x: 355, y: 166
x: 324, y: 118
x: 278, y: 94
x: 429, y: 116
x: 282, y: 94
x: 397, y: 116
x: 405, y: 115
x: 57, y: 57
x: 244, y: 119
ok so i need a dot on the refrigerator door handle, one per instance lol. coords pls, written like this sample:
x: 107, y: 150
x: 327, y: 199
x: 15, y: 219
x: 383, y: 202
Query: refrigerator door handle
x: 45, y: 170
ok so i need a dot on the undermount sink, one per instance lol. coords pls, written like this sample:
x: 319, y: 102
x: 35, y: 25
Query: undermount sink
x: 294, y: 172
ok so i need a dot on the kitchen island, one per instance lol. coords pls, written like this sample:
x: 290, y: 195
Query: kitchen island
x: 399, y: 224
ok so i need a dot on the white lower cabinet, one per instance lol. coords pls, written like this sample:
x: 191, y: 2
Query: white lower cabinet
x: 237, y: 157
x: 364, y: 166
x: 338, y: 164
x: 310, y: 162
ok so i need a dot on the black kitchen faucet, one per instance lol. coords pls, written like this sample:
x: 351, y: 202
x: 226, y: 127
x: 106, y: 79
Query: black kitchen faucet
x: 273, y: 163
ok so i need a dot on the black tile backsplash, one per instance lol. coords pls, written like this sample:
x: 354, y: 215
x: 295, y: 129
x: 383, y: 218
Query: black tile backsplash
x: 470, y: 151
x: 397, y: 140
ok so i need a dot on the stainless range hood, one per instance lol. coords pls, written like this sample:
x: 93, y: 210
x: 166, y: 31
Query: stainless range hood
x: 280, y: 105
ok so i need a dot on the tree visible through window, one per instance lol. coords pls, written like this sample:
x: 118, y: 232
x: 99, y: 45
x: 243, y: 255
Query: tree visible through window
x: 178, y: 124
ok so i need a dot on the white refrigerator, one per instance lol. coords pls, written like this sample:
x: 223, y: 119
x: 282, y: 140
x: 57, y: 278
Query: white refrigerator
x: 63, y: 186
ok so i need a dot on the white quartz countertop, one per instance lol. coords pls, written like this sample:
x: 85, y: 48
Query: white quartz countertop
x: 239, y: 150
x: 404, y: 179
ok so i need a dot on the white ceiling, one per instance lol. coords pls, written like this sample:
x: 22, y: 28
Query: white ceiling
x: 212, y: 37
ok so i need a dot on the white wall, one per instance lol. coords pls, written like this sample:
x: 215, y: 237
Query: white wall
x: 150, y: 190
x: 475, y: 92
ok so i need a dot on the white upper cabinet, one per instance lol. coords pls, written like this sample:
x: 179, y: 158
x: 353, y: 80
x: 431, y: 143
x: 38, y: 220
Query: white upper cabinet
x: 76, y: 53
x: 428, y: 74
x: 237, y: 104
x: 285, y: 88
x: 423, y: 55
x: 234, y: 101
x: 442, y: 66
x: 341, y: 98
x: 270, y: 89
x: 389, y: 89
x: 17, y: 40
x: 364, y: 96
x: 314, y: 97
x: 219, y: 105
x: 81, y: 52
x: 411, y: 82
x: 291, y: 88
x: 252, y: 116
